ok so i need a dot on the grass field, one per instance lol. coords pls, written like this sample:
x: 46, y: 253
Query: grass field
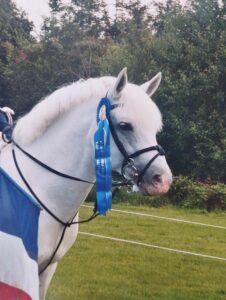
x: 102, y: 269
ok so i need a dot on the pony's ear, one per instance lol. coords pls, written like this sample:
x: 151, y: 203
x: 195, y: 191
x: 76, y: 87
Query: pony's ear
x: 120, y: 83
x: 151, y: 86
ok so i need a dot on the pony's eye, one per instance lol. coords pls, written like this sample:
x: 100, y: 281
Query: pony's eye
x: 125, y: 126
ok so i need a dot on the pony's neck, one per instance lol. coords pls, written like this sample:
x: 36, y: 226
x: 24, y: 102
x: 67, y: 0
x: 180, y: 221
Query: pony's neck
x: 68, y: 147
x: 59, y: 131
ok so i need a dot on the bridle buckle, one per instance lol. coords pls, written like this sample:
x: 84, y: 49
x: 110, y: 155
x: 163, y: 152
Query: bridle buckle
x: 129, y: 170
x: 160, y: 150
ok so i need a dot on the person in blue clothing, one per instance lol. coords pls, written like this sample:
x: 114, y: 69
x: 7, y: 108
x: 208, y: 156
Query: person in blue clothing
x: 6, y: 124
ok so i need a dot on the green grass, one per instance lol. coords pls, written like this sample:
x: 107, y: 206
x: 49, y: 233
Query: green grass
x: 102, y: 269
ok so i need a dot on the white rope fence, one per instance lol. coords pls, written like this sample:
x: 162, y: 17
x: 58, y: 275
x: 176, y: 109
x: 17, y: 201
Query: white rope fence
x: 151, y: 246
x: 162, y: 218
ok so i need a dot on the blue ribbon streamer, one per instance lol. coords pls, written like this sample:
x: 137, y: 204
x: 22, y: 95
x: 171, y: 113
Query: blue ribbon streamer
x: 103, y: 158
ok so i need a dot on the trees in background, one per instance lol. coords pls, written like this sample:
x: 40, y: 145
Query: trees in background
x: 81, y: 40
x: 15, y: 30
x: 192, y: 98
x: 188, y: 46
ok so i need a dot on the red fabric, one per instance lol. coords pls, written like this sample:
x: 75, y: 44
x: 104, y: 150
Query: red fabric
x: 8, y: 292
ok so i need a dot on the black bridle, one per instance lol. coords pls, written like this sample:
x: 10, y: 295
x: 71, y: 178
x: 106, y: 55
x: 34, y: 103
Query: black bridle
x: 128, y: 163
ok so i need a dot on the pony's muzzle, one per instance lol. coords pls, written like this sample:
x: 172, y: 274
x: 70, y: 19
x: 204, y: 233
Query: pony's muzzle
x: 162, y: 182
x: 157, y: 184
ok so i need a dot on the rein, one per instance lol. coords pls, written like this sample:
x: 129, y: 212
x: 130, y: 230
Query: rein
x: 49, y: 168
x: 65, y: 224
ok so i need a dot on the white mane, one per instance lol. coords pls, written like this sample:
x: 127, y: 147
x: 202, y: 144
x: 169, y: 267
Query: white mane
x: 37, y: 121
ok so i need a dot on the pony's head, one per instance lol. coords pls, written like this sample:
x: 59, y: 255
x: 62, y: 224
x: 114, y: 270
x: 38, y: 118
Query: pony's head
x: 135, y: 121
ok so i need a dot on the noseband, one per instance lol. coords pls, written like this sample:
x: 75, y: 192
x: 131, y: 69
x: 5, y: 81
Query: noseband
x: 128, y: 162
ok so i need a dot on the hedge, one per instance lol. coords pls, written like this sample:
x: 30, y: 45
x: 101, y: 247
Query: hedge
x: 184, y: 192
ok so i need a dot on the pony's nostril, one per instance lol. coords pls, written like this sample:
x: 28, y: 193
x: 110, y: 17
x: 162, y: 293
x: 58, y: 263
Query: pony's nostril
x: 157, y: 178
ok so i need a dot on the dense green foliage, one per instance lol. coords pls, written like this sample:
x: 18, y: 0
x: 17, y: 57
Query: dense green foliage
x: 184, y: 192
x: 189, y: 194
x: 81, y: 40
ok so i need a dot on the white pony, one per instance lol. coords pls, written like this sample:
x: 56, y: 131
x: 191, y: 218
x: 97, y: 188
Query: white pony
x: 59, y: 132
